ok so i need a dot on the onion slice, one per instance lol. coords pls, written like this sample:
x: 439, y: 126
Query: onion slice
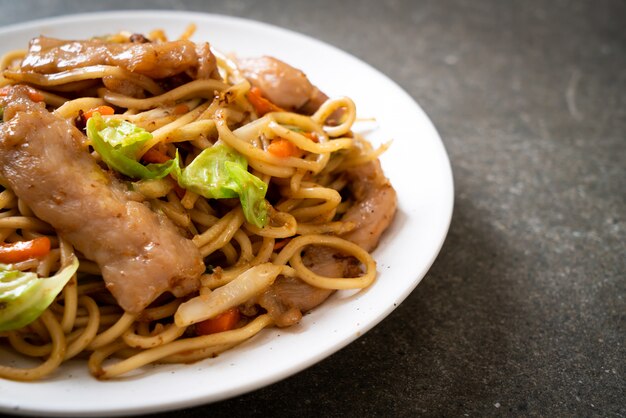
x: 247, y: 285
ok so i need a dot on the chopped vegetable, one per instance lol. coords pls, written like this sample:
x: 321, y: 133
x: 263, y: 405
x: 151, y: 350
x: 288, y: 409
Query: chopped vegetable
x: 223, y: 322
x: 33, y: 94
x: 154, y: 155
x: 118, y: 142
x: 23, y: 250
x: 24, y: 296
x: 180, y: 109
x: 312, y: 136
x: 180, y: 192
x: 248, y: 284
x: 281, y: 243
x: 220, y: 172
x: 283, y: 148
x: 261, y: 104
x: 103, y: 110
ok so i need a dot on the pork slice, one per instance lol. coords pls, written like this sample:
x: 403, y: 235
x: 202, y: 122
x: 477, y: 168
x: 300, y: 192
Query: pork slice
x: 288, y: 297
x: 374, y: 207
x: 372, y: 212
x: 156, y: 60
x: 141, y: 254
x: 282, y: 84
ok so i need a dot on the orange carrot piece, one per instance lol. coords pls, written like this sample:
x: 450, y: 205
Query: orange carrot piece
x: 154, y: 155
x: 33, y: 94
x: 283, y: 148
x: 225, y: 321
x: 312, y: 136
x: 261, y: 104
x: 24, y: 250
x: 103, y: 110
x: 180, y: 109
x: 280, y: 244
x: 180, y: 192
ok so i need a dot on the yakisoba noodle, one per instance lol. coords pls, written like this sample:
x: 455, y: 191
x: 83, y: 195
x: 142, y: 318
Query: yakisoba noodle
x: 308, y: 200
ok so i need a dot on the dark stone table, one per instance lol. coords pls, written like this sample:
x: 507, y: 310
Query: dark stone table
x: 524, y: 311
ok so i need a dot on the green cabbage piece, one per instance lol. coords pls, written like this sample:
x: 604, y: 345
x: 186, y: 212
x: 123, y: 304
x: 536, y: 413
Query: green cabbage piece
x: 220, y: 172
x: 24, y: 296
x: 118, y: 142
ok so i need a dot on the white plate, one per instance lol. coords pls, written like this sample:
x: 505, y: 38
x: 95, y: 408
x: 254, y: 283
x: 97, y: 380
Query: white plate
x: 416, y: 163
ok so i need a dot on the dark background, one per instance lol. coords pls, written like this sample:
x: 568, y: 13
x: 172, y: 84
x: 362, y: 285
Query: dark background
x: 523, y: 312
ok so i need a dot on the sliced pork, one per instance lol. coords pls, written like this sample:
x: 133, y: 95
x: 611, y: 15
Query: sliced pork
x: 153, y: 59
x: 372, y: 212
x: 282, y: 84
x: 141, y: 254
x: 288, y: 297
x: 374, y: 207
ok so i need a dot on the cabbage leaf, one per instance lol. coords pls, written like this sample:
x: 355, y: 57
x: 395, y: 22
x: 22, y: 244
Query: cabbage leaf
x: 220, y: 172
x: 118, y: 142
x: 24, y: 296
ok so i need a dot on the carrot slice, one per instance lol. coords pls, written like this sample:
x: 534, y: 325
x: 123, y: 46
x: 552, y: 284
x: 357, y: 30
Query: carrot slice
x: 180, y: 192
x: 280, y: 244
x: 283, y: 148
x: 23, y: 250
x: 103, y: 110
x: 180, y: 109
x: 261, y: 104
x: 223, y: 322
x: 312, y: 136
x: 33, y: 94
x: 154, y: 155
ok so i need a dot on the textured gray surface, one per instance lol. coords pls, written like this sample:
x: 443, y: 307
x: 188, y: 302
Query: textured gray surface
x: 523, y: 313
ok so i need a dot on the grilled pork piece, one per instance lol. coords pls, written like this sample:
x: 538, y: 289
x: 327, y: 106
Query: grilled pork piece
x: 282, y: 84
x: 374, y: 207
x: 288, y: 297
x: 141, y: 254
x: 156, y: 60
x: 373, y: 210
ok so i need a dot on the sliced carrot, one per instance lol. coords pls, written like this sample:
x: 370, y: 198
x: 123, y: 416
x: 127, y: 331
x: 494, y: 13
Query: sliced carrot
x: 280, y: 244
x: 33, y: 94
x: 223, y: 322
x: 283, y: 148
x: 180, y: 109
x: 154, y: 155
x: 180, y: 192
x: 103, y: 110
x: 312, y: 136
x: 23, y: 250
x: 261, y: 104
